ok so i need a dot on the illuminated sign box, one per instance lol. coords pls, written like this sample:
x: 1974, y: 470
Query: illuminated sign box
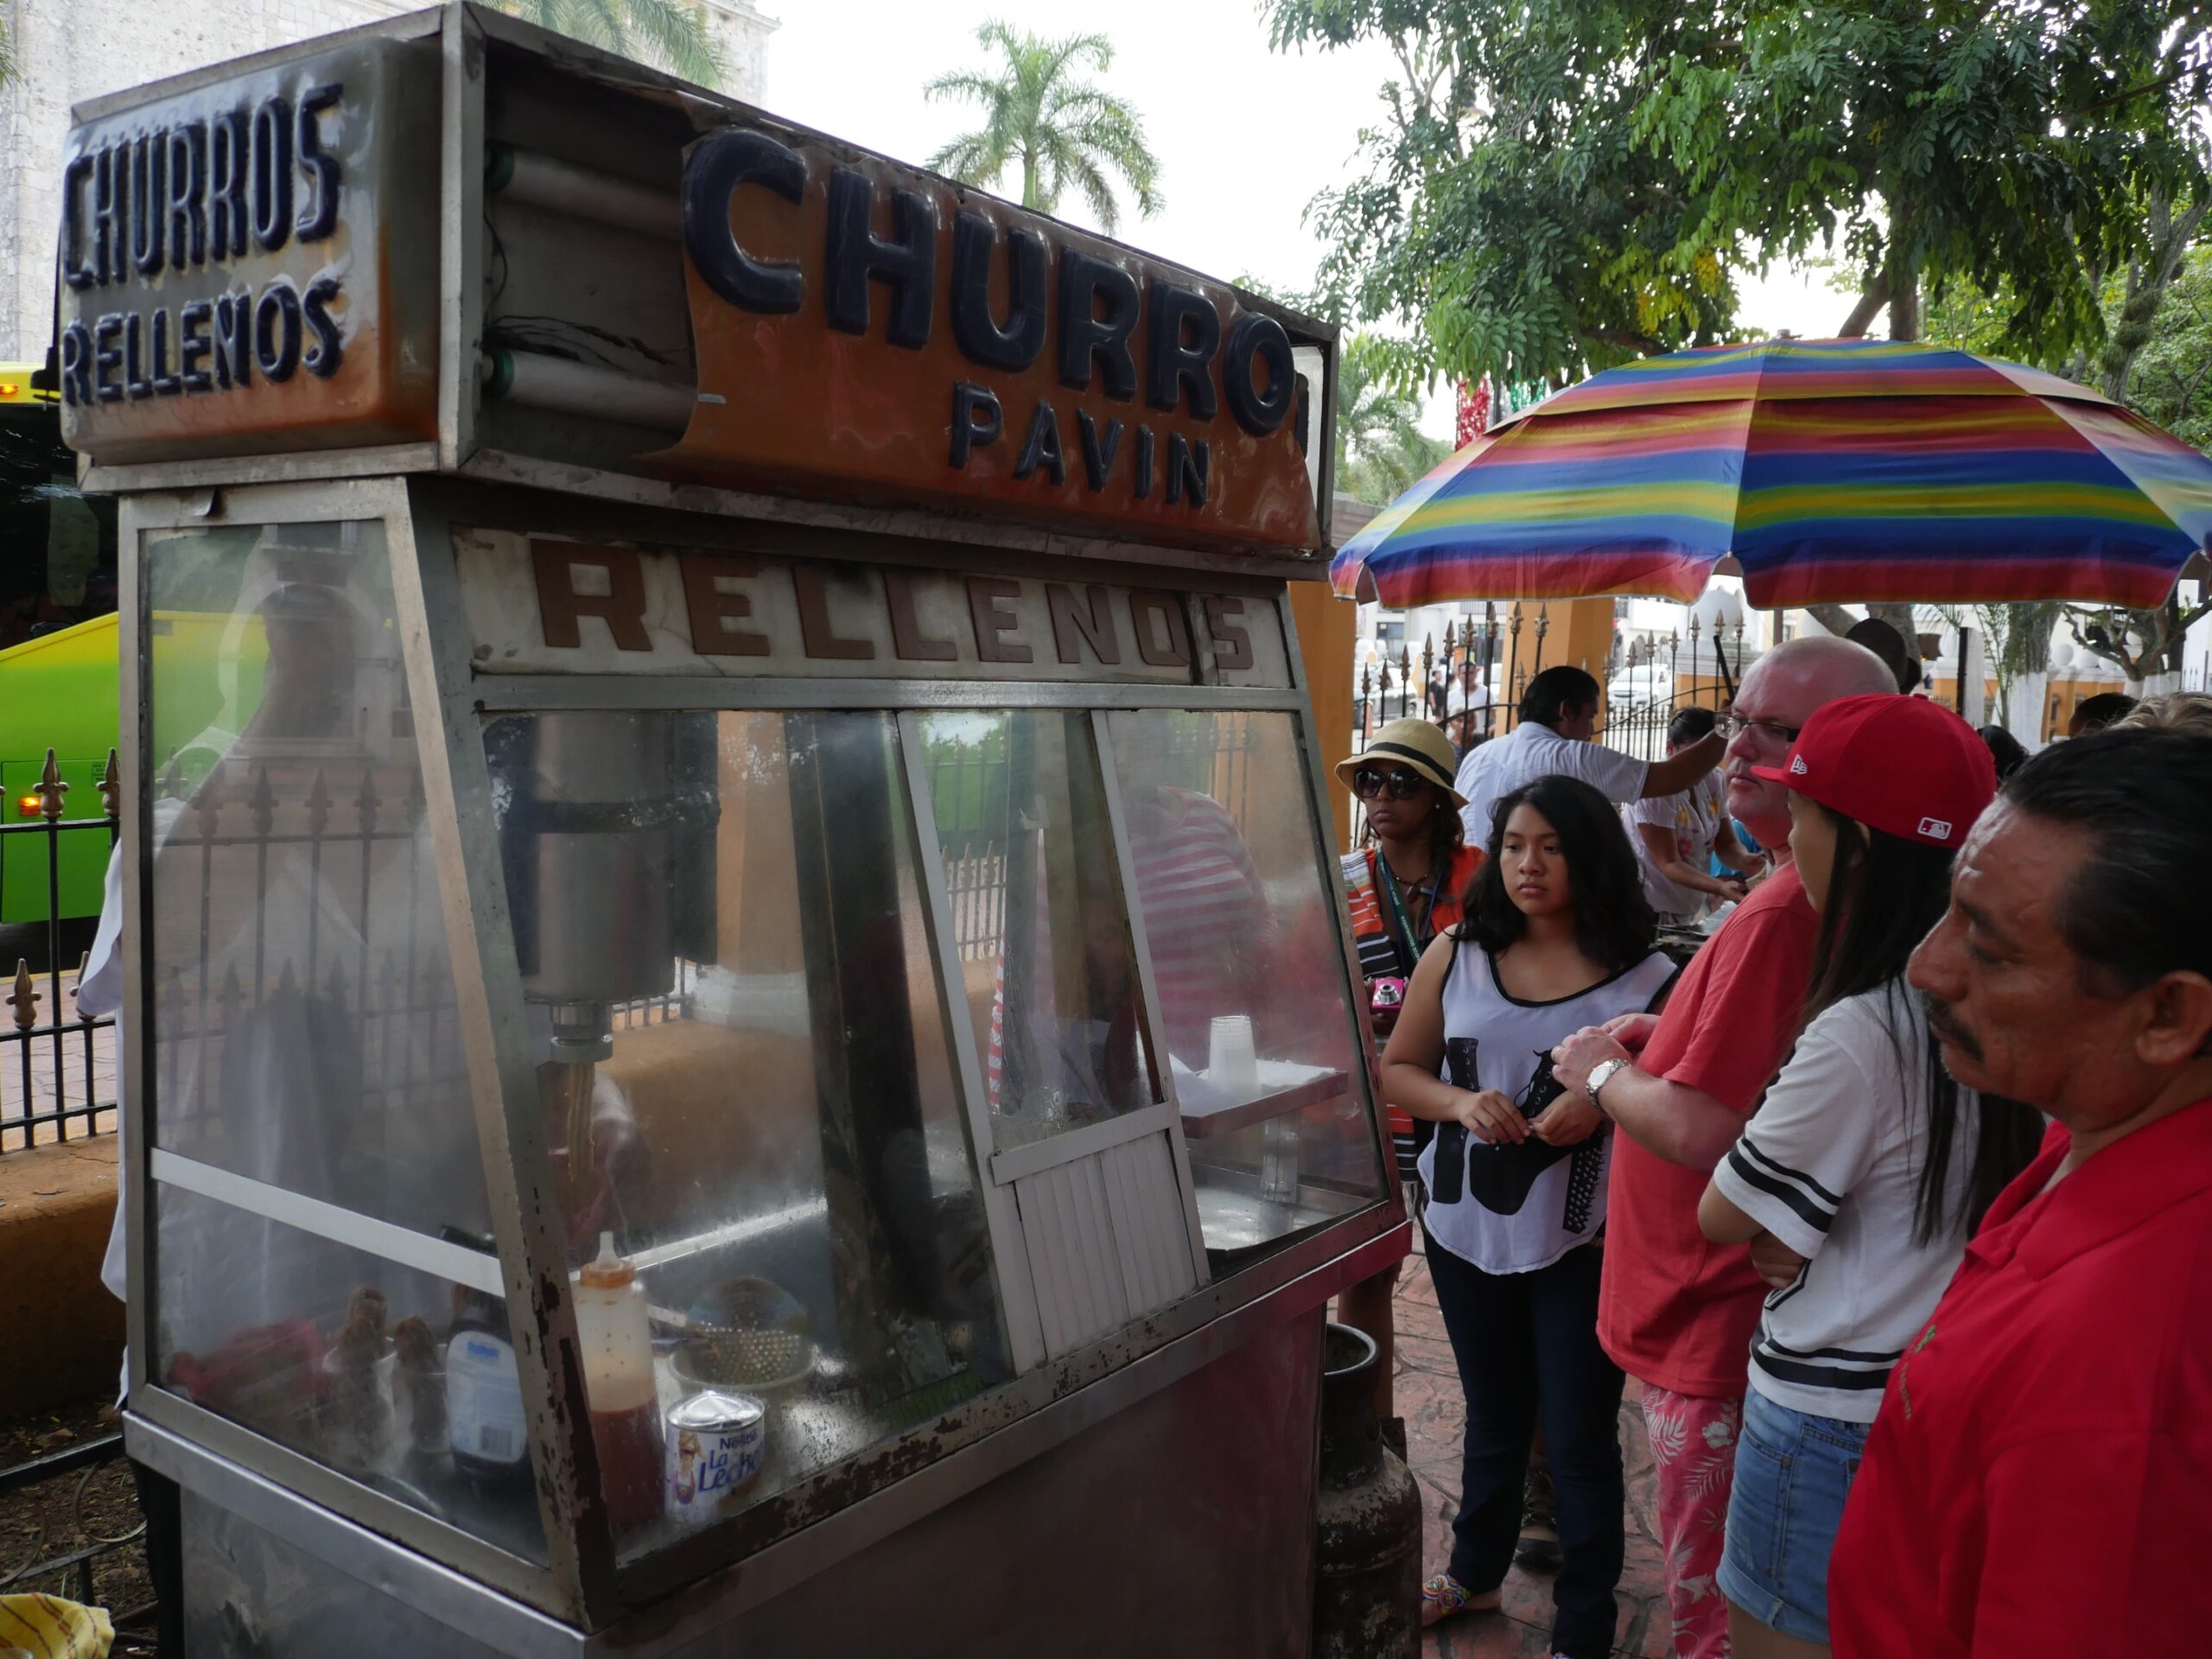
x: 596, y: 278
x: 252, y: 267
x: 878, y: 331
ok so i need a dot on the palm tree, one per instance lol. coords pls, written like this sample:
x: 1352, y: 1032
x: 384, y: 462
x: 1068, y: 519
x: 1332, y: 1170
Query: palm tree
x: 674, y: 32
x: 1381, y: 449
x: 1061, y: 131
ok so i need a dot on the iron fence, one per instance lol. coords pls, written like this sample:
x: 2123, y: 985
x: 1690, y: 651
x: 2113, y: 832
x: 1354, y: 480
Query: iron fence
x: 1471, y: 685
x: 59, y: 1082
x: 62, y: 1558
x: 971, y: 795
x: 1658, y: 677
x: 297, y: 944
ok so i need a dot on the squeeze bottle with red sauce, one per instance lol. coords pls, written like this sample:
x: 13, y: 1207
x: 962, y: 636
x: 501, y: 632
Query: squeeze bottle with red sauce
x: 618, y: 1358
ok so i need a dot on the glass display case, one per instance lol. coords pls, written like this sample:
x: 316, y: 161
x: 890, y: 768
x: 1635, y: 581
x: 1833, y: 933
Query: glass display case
x: 921, y: 1049
x: 707, y: 1008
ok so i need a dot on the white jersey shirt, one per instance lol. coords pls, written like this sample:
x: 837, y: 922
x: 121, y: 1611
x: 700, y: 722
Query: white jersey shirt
x: 1829, y: 1165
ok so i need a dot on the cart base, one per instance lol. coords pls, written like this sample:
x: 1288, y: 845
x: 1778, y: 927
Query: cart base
x: 1182, y: 1524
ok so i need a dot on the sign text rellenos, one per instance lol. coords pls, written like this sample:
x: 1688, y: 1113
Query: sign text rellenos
x: 252, y: 264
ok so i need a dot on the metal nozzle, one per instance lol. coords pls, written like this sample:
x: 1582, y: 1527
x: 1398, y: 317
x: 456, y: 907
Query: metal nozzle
x: 582, y: 1033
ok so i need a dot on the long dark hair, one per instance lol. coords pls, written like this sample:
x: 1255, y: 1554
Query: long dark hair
x: 1885, y: 894
x: 1613, y: 922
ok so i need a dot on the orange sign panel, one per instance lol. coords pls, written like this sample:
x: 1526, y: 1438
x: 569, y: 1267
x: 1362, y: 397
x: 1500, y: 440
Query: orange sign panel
x: 254, y: 265
x: 882, y: 335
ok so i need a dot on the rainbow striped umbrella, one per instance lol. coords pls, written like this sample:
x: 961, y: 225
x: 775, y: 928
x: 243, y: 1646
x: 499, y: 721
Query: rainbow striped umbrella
x: 1840, y: 469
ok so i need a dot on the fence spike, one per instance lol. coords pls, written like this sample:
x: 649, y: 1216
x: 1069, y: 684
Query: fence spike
x: 263, y: 802
x: 318, y: 804
x: 232, y: 994
x: 25, y: 999
x: 110, y: 785
x: 208, y: 804
x: 366, y: 801
x: 335, y: 988
x: 50, y: 789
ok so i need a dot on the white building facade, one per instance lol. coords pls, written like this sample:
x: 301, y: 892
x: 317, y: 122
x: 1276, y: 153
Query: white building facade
x: 69, y: 50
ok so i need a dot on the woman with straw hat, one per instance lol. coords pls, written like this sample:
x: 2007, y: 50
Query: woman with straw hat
x: 1404, y: 885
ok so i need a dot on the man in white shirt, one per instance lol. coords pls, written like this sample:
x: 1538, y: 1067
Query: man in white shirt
x: 1559, y: 712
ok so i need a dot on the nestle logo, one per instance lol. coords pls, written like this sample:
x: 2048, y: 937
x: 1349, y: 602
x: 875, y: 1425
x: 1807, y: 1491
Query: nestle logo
x: 1935, y: 829
x: 1797, y: 765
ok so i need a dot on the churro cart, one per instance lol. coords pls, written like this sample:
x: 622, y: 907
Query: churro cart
x: 742, y: 1037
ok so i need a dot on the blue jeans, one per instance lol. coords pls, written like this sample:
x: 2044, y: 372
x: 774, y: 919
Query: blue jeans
x: 1793, y: 1472
x: 1527, y: 1346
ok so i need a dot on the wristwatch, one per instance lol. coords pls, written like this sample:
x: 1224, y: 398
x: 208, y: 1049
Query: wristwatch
x: 1600, y: 1074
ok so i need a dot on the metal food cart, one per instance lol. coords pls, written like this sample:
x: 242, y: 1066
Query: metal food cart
x: 759, y: 739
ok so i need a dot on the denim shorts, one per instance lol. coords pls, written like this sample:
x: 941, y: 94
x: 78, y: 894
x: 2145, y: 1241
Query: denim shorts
x: 1793, y: 1472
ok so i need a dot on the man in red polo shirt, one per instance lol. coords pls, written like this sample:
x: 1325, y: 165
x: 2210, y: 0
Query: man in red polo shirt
x: 2039, y: 1481
x: 1675, y: 1311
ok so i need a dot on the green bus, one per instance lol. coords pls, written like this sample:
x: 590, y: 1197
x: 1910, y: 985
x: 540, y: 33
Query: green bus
x: 57, y: 652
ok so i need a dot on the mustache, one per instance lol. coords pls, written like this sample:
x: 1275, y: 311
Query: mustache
x: 1946, y: 1026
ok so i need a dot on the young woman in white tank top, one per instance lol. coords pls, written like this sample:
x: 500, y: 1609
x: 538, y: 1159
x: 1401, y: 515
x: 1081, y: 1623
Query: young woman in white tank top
x: 1557, y: 937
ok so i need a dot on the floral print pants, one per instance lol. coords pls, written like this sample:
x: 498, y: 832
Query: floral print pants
x: 1694, y: 1452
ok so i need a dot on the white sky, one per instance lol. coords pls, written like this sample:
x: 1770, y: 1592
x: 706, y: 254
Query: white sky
x: 1245, y: 136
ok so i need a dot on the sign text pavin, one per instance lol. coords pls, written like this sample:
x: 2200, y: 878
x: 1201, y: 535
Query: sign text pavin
x: 884, y: 335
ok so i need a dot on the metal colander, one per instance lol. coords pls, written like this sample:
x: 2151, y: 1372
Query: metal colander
x: 750, y: 1357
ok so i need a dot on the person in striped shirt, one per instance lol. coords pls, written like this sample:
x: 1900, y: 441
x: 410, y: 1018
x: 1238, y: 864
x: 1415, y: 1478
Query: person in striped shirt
x: 1402, y: 887
x: 1211, y: 933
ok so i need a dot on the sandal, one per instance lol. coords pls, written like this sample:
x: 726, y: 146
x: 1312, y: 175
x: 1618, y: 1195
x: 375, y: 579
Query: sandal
x: 1444, y: 1597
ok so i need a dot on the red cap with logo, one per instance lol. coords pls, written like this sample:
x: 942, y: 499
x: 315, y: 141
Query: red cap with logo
x: 1902, y: 764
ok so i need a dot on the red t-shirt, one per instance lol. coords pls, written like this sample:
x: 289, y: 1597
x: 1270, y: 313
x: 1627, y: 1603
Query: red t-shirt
x: 2039, y: 1481
x: 1675, y: 1310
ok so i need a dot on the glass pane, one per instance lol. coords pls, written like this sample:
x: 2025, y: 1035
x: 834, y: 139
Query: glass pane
x: 1037, y: 910
x: 304, y: 1027
x: 398, y: 1379
x: 1241, y: 930
x: 748, y: 1084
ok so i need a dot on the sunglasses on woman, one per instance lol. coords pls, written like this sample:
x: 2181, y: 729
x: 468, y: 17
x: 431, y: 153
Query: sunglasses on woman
x: 1369, y: 782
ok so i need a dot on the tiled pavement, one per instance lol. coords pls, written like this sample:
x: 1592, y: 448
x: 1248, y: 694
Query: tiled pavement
x: 1428, y: 1398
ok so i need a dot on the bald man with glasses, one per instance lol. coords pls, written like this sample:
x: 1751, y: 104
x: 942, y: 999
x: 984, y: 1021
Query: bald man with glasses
x: 1676, y: 1312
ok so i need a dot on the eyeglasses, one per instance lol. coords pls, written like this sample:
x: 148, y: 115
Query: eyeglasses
x: 1367, y: 782
x: 1772, y: 730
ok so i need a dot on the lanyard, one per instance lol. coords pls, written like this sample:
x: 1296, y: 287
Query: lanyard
x: 1408, y: 943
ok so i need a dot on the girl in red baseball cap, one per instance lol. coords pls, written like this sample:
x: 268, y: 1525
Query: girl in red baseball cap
x: 1859, y: 1178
